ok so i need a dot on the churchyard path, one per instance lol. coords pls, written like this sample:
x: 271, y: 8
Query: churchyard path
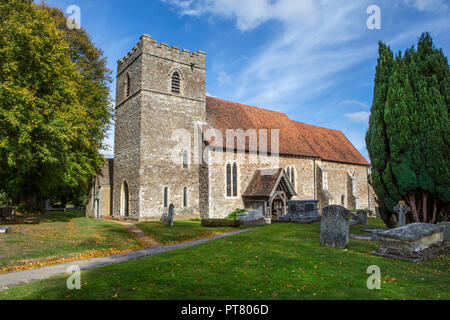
x: 8, y: 280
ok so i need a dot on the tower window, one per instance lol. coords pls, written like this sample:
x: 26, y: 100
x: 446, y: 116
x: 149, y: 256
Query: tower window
x: 185, y: 160
x: 176, y: 82
x: 128, y: 86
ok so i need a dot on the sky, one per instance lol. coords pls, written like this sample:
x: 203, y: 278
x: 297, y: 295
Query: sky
x: 311, y: 59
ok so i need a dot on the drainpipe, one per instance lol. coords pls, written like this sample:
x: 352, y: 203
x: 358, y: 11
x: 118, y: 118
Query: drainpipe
x: 368, y: 188
x: 315, y: 189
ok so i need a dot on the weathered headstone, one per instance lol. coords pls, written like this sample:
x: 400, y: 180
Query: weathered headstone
x: 170, y: 215
x: 402, y: 209
x: 362, y: 217
x: 334, y: 227
x: 414, y: 242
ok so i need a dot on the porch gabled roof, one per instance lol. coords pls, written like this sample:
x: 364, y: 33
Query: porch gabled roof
x: 266, y: 182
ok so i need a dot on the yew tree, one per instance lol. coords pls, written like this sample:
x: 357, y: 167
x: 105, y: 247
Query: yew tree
x: 408, y: 136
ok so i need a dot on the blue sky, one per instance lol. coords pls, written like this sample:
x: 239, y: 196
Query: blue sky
x: 312, y: 59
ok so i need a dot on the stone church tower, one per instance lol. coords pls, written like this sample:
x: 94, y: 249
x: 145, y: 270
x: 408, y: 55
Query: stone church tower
x: 160, y: 90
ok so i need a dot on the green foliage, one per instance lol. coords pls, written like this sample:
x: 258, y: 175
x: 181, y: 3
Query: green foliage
x: 235, y: 213
x: 54, y: 105
x: 220, y: 223
x: 408, y: 136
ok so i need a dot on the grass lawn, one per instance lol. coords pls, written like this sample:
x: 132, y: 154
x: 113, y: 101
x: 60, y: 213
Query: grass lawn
x: 58, y: 235
x: 182, y: 231
x: 280, y: 261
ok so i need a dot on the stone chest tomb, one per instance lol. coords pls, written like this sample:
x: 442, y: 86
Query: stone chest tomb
x: 414, y: 242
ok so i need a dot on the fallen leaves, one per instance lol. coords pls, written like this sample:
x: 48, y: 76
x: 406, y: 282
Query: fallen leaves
x: 54, y: 261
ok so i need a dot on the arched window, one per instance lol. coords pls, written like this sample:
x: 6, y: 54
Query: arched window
x: 176, y: 82
x: 166, y: 197
x: 128, y: 85
x: 228, y: 180
x: 235, y: 180
x: 232, y: 179
x: 124, y: 200
x: 185, y: 197
x: 185, y: 160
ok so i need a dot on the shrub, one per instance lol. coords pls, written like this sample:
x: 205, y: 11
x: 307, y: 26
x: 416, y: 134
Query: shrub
x: 220, y: 223
x: 235, y: 213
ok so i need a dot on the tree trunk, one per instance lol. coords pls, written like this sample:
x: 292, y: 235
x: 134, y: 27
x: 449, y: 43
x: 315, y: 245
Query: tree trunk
x: 435, y: 209
x: 424, y: 207
x: 412, y: 204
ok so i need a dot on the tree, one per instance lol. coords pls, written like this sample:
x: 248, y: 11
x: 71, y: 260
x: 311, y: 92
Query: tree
x: 93, y: 94
x: 408, y: 138
x: 50, y: 124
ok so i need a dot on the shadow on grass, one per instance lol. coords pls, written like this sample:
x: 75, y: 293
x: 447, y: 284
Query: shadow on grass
x: 37, y: 218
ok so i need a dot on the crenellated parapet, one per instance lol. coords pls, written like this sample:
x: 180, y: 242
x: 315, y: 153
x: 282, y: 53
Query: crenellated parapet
x: 147, y: 45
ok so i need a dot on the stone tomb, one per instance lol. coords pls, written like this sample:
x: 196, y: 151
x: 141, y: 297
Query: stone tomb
x: 252, y: 218
x: 335, y: 226
x: 302, y: 211
x: 414, y: 242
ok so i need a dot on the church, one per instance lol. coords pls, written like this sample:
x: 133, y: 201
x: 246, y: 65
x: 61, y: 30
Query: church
x: 207, y: 156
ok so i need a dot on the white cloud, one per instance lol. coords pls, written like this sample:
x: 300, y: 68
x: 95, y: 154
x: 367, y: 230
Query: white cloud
x: 315, y: 42
x: 354, y: 102
x: 249, y: 14
x: 224, y: 78
x: 427, y: 5
x: 362, y: 116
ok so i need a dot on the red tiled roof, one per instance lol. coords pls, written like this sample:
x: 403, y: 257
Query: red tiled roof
x: 223, y: 115
x: 330, y: 144
x: 264, y: 182
x: 296, y: 138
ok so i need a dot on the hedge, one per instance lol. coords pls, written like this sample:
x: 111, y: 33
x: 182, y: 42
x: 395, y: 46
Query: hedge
x: 220, y: 223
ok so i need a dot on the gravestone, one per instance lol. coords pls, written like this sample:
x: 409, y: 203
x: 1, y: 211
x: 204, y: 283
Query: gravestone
x: 402, y: 209
x: 170, y: 215
x: 334, y: 227
x: 414, y: 242
x: 361, y: 217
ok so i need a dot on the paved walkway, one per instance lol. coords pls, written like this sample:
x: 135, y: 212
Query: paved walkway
x: 140, y: 235
x: 8, y: 280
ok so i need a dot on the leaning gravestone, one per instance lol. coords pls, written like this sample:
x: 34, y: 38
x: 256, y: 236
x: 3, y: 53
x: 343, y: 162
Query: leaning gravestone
x: 334, y: 227
x: 402, y: 209
x: 170, y: 215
